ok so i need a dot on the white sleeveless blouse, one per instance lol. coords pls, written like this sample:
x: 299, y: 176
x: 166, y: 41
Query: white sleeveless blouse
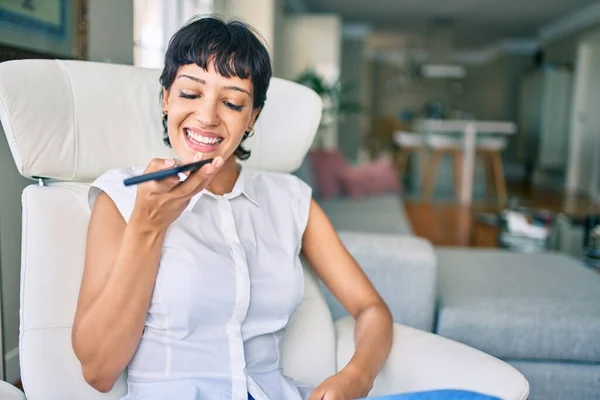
x: 229, y: 281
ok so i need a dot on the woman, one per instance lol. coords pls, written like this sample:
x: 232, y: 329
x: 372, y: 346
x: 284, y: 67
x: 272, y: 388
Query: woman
x: 190, y: 281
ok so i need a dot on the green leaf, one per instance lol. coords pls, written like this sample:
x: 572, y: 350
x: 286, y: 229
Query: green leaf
x: 339, y: 93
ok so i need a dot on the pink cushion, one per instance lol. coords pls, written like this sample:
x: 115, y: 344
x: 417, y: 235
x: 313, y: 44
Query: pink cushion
x: 328, y: 166
x: 356, y: 181
x: 385, y: 177
x: 371, y: 178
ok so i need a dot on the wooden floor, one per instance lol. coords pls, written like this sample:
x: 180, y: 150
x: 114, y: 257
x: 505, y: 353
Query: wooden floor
x: 447, y: 223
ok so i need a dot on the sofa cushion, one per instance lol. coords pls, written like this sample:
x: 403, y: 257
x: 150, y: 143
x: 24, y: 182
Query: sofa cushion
x: 540, y: 306
x: 402, y: 269
x: 560, y: 380
x: 327, y: 166
x: 373, y: 214
x: 356, y: 181
x: 370, y: 178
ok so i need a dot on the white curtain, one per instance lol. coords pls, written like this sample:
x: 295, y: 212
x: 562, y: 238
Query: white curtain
x: 155, y: 22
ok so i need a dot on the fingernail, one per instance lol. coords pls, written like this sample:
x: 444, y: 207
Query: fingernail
x: 198, y: 156
x: 170, y: 162
x: 219, y: 162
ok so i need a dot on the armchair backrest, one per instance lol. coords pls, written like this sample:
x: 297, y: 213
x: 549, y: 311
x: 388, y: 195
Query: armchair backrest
x: 70, y: 121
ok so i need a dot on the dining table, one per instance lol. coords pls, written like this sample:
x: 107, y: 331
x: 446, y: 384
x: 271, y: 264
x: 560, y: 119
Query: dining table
x: 470, y: 130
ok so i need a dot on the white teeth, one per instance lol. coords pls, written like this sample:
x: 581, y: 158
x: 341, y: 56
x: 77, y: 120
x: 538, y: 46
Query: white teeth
x: 202, y: 139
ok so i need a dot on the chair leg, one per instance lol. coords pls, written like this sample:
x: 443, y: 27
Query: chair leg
x: 431, y: 174
x: 457, y: 156
x: 402, y: 161
x: 499, y: 177
x: 424, y: 161
x: 485, y: 160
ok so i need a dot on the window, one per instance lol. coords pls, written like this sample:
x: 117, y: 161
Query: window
x: 155, y: 22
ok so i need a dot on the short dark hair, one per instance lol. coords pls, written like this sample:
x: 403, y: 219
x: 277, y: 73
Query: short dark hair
x: 233, y: 47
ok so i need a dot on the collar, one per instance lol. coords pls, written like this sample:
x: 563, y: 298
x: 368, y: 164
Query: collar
x: 244, y: 185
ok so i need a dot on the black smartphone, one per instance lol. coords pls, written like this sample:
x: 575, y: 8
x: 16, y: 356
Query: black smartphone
x: 162, y: 174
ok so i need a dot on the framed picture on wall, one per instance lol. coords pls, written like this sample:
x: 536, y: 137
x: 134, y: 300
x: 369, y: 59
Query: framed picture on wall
x: 43, y: 29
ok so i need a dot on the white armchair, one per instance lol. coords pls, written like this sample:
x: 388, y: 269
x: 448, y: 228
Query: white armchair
x: 10, y: 392
x: 68, y: 122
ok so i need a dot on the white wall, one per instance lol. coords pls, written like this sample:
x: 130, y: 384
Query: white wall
x: 315, y: 42
x: 110, y: 31
x: 583, y: 173
x: 259, y: 14
x: 312, y: 41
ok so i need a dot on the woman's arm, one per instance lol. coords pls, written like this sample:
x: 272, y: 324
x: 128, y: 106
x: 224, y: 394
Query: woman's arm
x: 334, y: 265
x: 120, y: 270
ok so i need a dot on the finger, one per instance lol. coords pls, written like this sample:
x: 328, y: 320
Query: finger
x: 213, y: 167
x: 157, y: 164
x: 170, y: 162
x: 197, y: 157
x: 164, y: 184
x: 198, y: 180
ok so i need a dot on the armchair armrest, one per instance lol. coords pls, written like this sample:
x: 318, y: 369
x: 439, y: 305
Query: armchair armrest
x: 9, y: 392
x: 422, y: 361
x: 404, y: 271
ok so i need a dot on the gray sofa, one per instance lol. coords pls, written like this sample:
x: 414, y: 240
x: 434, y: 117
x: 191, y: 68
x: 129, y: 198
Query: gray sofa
x: 539, y: 312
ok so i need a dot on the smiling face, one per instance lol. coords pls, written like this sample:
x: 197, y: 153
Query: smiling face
x: 207, y: 112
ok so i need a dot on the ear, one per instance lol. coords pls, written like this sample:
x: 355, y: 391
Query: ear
x: 254, y: 117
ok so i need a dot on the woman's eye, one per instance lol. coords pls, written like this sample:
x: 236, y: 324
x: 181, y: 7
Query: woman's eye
x: 187, y: 95
x: 233, y: 106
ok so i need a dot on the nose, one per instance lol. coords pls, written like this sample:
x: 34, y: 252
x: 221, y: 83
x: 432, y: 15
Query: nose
x: 207, y: 113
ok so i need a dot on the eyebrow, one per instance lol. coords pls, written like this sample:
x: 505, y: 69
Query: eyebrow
x: 238, y: 89
x: 192, y: 78
x: 202, y: 81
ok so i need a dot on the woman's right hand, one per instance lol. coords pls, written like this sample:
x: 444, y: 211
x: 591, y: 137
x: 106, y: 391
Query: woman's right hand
x: 159, y: 203
x: 121, y: 265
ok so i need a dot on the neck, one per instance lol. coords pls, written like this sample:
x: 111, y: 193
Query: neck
x: 225, y: 179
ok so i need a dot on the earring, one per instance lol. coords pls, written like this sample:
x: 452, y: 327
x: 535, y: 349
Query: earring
x: 250, y: 133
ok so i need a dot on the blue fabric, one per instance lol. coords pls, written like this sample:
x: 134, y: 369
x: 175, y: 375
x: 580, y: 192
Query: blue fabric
x: 431, y: 395
x: 437, y: 395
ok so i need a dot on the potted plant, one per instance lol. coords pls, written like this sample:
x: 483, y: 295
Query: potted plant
x: 337, y: 100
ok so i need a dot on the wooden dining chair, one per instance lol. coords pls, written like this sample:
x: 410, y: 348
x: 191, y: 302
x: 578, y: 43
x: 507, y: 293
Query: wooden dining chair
x: 489, y: 155
x: 439, y: 146
x: 408, y: 144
